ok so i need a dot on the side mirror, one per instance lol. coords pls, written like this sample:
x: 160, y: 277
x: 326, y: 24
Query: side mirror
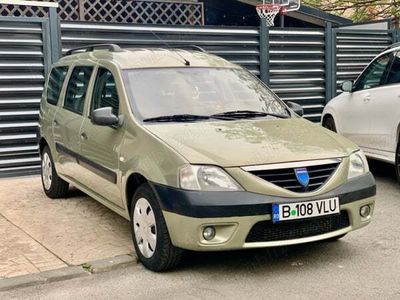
x: 104, y: 117
x: 347, y: 86
x: 297, y: 108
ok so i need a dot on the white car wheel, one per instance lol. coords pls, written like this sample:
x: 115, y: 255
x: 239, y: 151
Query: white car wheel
x: 150, y: 233
x: 47, y: 175
x: 145, y: 228
x: 53, y: 185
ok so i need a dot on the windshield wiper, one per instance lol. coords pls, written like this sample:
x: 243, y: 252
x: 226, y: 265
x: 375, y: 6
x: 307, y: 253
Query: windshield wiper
x: 177, y: 118
x: 243, y: 114
x: 230, y: 115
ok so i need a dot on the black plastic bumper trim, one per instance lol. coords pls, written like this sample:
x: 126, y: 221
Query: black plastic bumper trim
x: 229, y: 204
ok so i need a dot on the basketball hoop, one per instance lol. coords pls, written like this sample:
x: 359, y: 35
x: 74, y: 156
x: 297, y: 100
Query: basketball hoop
x: 268, y: 12
x: 269, y: 9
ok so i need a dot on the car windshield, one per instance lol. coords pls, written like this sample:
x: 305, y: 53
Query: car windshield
x: 195, y: 94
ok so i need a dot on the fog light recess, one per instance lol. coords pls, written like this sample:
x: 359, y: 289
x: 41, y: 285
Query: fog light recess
x: 365, y: 211
x: 209, y: 233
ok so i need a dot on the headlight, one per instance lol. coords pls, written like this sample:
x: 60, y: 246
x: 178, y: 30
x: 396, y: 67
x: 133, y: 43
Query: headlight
x: 358, y: 164
x: 206, y: 178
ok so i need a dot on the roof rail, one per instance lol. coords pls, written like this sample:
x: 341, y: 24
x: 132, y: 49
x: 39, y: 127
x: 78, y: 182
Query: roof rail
x: 109, y: 47
x: 392, y: 46
x: 183, y: 47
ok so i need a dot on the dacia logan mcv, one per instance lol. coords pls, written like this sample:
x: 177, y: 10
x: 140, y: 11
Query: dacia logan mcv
x: 197, y: 153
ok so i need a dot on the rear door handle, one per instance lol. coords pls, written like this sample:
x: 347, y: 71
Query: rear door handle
x: 367, y: 98
x: 55, y: 122
x: 84, y: 136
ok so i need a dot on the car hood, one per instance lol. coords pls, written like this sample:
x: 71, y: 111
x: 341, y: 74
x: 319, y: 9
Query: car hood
x: 251, y: 142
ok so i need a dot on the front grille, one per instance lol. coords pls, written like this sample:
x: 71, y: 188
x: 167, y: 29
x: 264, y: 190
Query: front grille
x: 286, y: 178
x: 266, y: 231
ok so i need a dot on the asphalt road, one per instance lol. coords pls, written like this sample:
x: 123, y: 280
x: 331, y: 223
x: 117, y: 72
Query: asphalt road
x: 363, y: 265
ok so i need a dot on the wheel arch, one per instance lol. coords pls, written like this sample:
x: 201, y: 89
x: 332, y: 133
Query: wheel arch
x: 398, y: 134
x: 42, y: 143
x: 330, y: 113
x: 132, y: 184
x: 326, y: 116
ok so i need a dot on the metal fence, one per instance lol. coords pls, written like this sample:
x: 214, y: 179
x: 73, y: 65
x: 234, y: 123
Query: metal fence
x: 305, y: 66
x: 355, y: 49
x: 23, y: 60
x: 297, y: 68
x: 239, y: 45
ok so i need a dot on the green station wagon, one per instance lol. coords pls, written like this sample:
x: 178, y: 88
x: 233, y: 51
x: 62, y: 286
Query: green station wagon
x: 197, y: 153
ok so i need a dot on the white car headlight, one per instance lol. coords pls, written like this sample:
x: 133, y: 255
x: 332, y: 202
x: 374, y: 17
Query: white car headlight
x: 358, y: 164
x: 206, y: 178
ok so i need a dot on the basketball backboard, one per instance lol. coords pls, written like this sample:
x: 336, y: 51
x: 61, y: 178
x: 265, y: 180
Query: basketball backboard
x: 287, y: 5
x: 269, y: 9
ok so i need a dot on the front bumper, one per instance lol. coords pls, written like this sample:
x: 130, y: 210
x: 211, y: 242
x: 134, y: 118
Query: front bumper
x: 234, y: 214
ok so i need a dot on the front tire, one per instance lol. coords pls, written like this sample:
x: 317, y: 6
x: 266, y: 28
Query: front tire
x: 329, y: 123
x: 150, y: 233
x: 53, y: 185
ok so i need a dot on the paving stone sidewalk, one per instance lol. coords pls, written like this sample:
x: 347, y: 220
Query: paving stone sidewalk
x: 40, y: 234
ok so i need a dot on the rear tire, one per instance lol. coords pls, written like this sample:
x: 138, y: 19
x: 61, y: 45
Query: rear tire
x: 329, y: 123
x: 397, y: 162
x: 150, y: 233
x: 53, y: 185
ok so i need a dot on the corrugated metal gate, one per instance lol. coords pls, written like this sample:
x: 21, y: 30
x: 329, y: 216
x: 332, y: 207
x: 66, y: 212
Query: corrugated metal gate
x: 23, y: 61
x: 239, y: 45
x: 297, y: 68
x: 355, y: 49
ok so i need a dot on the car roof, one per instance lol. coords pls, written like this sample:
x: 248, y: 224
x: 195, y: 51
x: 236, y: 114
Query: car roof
x: 139, y: 58
x: 392, y: 48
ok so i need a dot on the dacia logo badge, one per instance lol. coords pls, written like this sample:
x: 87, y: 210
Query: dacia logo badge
x: 302, y: 176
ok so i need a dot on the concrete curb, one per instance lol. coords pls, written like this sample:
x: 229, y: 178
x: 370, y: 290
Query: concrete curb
x: 20, y: 281
x: 64, y: 274
x: 71, y: 272
x: 40, y: 278
x: 105, y: 265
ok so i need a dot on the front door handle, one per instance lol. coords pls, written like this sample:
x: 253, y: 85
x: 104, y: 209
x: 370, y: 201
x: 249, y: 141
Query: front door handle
x: 367, y: 98
x: 84, y: 136
x: 55, y: 122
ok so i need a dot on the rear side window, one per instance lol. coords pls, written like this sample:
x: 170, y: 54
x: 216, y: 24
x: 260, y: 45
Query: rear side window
x: 374, y: 76
x: 394, y: 73
x: 105, y: 92
x: 77, y: 88
x: 56, y: 81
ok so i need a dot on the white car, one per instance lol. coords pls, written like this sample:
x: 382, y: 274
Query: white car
x: 368, y: 110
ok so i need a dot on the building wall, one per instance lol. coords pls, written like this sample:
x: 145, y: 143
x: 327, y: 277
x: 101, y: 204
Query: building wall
x: 171, y: 12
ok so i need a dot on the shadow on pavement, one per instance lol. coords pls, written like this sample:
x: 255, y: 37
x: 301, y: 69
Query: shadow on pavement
x: 74, y: 192
x: 317, y: 253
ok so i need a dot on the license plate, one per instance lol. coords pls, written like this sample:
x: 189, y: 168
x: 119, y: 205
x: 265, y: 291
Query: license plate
x: 303, y: 210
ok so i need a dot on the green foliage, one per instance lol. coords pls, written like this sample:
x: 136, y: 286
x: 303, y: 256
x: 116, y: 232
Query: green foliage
x: 359, y: 10
x: 87, y: 267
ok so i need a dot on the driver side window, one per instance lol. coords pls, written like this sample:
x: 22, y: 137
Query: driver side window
x: 105, y: 91
x: 375, y: 75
